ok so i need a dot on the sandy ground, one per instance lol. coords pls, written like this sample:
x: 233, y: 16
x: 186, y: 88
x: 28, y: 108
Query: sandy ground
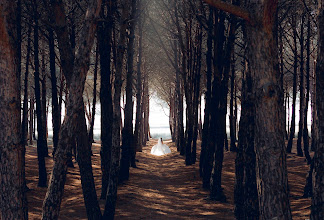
x: 160, y: 188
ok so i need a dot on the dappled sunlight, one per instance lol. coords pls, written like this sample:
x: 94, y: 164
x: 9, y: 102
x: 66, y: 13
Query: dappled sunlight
x: 162, y: 187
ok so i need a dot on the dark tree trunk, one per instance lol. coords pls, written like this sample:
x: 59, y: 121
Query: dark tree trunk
x: 24, y: 126
x: 308, y: 189
x: 13, y: 199
x: 317, y: 209
x: 111, y: 197
x: 245, y: 191
x: 31, y: 119
x: 137, y: 139
x: 94, y: 100
x: 232, y: 119
x: 55, y: 107
x: 146, y: 112
x: 293, y: 107
x: 305, y: 134
x: 205, y: 132
x: 41, y: 145
x: 44, y: 104
x: 104, y: 44
x: 24, y: 129
x: 127, y: 132
x: 302, y: 93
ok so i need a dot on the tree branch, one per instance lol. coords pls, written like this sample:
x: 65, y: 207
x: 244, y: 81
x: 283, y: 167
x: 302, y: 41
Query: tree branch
x: 232, y: 9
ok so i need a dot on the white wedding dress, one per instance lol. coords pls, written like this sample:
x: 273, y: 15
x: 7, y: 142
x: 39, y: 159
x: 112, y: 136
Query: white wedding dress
x: 160, y: 149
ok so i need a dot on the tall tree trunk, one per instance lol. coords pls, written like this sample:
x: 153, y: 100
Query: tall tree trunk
x: 31, y: 119
x: 302, y: 93
x: 24, y: 127
x: 127, y: 133
x: 55, y: 106
x: 115, y: 148
x: 13, y: 199
x: 245, y: 191
x: 317, y: 209
x: 232, y: 119
x: 41, y: 145
x: 293, y: 107
x: 104, y: 40
x: 305, y: 134
x: 272, y: 180
x: 94, y: 100
x: 204, y: 142
x: 137, y: 140
x: 44, y: 106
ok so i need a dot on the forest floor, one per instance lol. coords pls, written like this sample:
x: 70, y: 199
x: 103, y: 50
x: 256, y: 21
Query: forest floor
x: 160, y: 188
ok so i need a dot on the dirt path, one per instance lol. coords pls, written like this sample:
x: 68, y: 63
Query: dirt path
x: 164, y: 188
x: 160, y: 188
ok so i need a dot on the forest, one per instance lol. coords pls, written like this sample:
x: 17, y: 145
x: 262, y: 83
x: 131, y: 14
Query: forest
x: 243, y: 82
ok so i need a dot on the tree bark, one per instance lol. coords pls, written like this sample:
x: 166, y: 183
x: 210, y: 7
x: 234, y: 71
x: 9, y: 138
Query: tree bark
x: 302, y: 93
x: 271, y: 169
x: 104, y: 40
x: 293, y: 107
x: 317, y: 208
x: 55, y: 106
x: 41, y: 145
x: 111, y: 197
x: 127, y: 133
x: 305, y: 134
x: 13, y: 199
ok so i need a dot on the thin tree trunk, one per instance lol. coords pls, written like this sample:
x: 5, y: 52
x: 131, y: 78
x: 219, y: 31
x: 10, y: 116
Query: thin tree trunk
x: 137, y: 140
x: 305, y: 134
x: 55, y: 105
x: 293, y: 107
x: 94, y: 100
x: 43, y: 100
x: 111, y: 197
x: 31, y: 119
x: 127, y: 132
x: 41, y: 145
x: 302, y: 93
x: 104, y: 40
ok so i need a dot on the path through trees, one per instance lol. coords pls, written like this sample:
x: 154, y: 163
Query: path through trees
x: 161, y: 187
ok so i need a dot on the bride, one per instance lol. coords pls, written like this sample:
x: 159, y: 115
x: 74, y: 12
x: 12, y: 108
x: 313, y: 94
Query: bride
x: 160, y: 149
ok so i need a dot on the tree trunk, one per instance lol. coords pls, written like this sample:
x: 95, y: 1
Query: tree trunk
x: 305, y: 134
x: 44, y: 106
x: 31, y: 119
x: 137, y: 140
x: 41, y: 145
x: 272, y: 180
x: 111, y: 197
x: 55, y: 106
x: 104, y: 44
x: 94, y: 100
x: 293, y: 107
x: 302, y: 93
x: 127, y: 133
x: 13, y: 203
x: 206, y: 127
x: 317, y: 209
x: 245, y: 191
